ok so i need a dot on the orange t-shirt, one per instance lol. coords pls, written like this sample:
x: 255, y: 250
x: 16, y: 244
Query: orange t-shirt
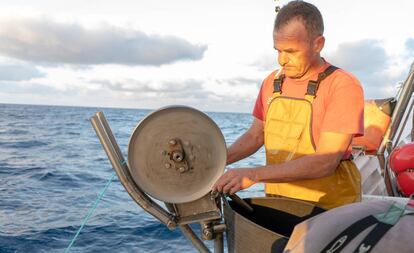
x: 338, y: 106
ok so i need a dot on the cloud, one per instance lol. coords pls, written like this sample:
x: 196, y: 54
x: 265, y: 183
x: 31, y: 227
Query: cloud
x: 409, y: 44
x: 409, y: 47
x: 194, y: 92
x: 34, y: 88
x: 266, y: 62
x: 132, y: 93
x: 19, y: 72
x: 130, y: 85
x: 242, y: 81
x: 377, y: 71
x: 124, y: 86
x: 45, y: 41
x: 173, y: 90
x: 364, y: 56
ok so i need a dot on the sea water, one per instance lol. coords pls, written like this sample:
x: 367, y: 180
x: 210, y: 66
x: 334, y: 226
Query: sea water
x: 53, y: 167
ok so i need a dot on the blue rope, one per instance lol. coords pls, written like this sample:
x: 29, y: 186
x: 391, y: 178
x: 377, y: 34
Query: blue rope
x: 91, y: 210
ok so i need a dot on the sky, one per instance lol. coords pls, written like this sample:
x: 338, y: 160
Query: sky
x: 212, y: 55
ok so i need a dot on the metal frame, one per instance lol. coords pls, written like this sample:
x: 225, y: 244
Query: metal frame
x: 394, y: 131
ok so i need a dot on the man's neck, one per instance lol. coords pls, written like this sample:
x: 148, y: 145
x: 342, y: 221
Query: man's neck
x: 315, y: 68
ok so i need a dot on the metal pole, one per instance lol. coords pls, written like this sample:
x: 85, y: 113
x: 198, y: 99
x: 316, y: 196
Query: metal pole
x: 219, y: 229
x: 388, y: 177
x: 398, y: 137
x: 399, y: 110
x: 218, y: 243
x: 117, y: 160
x: 105, y: 125
x: 412, y: 126
x: 188, y: 232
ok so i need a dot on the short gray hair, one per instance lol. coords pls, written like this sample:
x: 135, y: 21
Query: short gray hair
x: 306, y: 12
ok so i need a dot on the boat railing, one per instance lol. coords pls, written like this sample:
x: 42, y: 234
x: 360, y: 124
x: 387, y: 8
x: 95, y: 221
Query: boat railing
x: 402, y: 112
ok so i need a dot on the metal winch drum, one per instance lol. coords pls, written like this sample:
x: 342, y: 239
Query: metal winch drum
x: 175, y: 155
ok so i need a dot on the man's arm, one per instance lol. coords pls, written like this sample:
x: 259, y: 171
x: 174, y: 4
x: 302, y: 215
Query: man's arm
x: 330, y: 151
x: 323, y: 162
x: 246, y: 144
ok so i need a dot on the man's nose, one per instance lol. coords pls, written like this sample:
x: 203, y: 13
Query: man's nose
x: 282, y: 58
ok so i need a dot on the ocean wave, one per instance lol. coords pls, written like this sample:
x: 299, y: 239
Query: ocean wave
x: 27, y: 144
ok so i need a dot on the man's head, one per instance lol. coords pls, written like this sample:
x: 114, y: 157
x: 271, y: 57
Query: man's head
x: 298, y: 37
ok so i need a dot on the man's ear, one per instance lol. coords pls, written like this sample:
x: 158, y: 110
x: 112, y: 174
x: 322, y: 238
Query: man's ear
x: 319, y: 43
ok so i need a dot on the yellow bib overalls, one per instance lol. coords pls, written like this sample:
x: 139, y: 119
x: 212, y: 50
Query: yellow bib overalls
x: 288, y: 136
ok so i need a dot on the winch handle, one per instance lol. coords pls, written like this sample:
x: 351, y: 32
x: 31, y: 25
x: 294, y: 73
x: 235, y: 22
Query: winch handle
x: 242, y: 203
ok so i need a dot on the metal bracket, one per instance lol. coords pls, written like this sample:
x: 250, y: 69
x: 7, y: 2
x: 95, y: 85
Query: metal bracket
x: 176, y: 156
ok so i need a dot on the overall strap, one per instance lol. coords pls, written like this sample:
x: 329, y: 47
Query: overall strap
x: 314, y: 85
x: 277, y: 84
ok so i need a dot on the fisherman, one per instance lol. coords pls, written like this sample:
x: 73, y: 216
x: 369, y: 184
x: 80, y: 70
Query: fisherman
x: 306, y: 115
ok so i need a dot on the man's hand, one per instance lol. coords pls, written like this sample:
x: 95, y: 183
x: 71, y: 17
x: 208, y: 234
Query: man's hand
x: 235, y: 180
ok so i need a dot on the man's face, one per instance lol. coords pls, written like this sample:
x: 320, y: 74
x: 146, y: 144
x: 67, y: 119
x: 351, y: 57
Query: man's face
x: 297, y: 52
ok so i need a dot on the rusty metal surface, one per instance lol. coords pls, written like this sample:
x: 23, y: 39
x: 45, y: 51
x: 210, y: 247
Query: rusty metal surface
x: 156, y: 146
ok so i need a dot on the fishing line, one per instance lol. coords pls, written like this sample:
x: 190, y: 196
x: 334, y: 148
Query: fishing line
x: 91, y: 210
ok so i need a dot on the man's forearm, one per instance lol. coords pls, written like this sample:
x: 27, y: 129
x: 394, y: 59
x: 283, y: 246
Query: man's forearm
x: 244, y: 146
x: 331, y: 148
x: 308, y: 167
